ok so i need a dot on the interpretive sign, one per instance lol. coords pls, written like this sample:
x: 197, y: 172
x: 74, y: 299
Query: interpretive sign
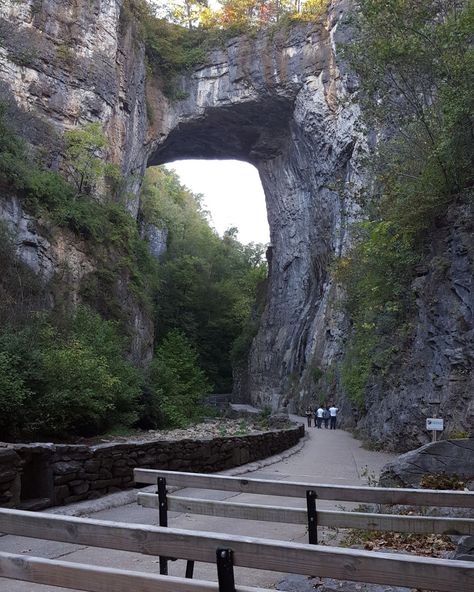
x: 434, y: 424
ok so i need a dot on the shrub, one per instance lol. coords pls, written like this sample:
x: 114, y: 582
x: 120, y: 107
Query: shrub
x: 70, y: 377
x: 442, y: 481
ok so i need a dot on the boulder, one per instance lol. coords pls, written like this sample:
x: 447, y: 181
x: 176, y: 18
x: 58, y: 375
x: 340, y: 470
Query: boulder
x: 447, y: 457
x: 465, y: 549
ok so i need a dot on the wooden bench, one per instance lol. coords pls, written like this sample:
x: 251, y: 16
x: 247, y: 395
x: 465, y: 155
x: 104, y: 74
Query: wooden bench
x: 225, y: 550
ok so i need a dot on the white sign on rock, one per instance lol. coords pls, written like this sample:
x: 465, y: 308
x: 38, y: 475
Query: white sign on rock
x: 434, y: 423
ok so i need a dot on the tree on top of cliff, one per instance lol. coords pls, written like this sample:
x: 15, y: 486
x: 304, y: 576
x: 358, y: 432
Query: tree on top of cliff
x: 236, y: 13
x: 189, y: 13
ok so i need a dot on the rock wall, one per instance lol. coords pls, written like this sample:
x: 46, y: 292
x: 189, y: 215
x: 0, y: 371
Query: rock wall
x: 433, y: 375
x: 37, y: 476
x: 281, y: 103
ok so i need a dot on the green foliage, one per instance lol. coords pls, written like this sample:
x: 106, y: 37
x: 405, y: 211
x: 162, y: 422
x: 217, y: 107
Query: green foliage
x: 263, y: 419
x: 377, y: 275
x: 415, y: 61
x: 173, y: 48
x: 457, y: 435
x: 65, y: 55
x: 13, y: 391
x: 20, y: 290
x: 178, y: 383
x: 444, y: 481
x: 84, y: 157
x: 316, y: 374
x: 207, y: 284
x: 109, y: 232
x: 69, y: 379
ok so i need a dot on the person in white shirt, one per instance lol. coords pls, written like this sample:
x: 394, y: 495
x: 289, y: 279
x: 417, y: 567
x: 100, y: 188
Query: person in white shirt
x: 333, y: 412
x: 319, y: 416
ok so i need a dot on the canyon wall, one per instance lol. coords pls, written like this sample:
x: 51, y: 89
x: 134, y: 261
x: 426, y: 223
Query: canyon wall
x: 285, y: 103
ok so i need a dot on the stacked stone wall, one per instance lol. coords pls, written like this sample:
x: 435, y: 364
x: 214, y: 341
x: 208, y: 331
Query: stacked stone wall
x: 37, y: 476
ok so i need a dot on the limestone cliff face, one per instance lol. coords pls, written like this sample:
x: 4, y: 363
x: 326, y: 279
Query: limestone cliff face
x: 64, y: 63
x: 282, y: 102
x: 433, y: 375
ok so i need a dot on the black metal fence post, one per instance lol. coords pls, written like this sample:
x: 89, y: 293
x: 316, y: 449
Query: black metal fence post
x: 312, y: 517
x: 163, y: 519
x: 225, y: 570
x: 189, y: 569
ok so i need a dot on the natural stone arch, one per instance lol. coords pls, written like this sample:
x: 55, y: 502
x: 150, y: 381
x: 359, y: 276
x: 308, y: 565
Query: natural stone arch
x: 275, y: 101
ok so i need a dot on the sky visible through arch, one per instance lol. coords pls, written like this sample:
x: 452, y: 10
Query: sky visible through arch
x: 233, y: 195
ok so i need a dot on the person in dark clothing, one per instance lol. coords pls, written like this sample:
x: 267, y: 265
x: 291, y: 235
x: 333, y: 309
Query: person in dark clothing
x: 326, y: 416
x: 309, y: 415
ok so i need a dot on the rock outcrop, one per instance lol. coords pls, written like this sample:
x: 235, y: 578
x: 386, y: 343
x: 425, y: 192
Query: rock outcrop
x: 445, y: 458
x: 433, y: 376
x: 64, y: 64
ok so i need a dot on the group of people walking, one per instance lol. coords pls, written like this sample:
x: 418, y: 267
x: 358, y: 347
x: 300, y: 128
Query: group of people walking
x: 326, y: 415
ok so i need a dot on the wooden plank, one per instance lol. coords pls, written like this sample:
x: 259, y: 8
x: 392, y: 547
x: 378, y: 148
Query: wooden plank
x: 396, y: 523
x: 329, y: 518
x: 377, y: 495
x: 342, y: 564
x: 90, y: 578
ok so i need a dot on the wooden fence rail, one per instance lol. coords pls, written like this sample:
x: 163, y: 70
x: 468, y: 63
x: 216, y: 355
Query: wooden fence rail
x: 90, y: 578
x: 376, y: 495
x: 329, y: 518
x: 343, y: 564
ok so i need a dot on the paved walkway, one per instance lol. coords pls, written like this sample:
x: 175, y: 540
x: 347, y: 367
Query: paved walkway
x: 326, y: 457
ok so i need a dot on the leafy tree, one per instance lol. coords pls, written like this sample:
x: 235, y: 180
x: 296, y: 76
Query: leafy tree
x: 245, y: 13
x: 71, y: 377
x: 179, y: 385
x: 13, y: 392
x: 182, y: 12
x: 84, y: 157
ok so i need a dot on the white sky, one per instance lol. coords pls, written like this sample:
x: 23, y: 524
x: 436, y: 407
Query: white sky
x: 232, y: 192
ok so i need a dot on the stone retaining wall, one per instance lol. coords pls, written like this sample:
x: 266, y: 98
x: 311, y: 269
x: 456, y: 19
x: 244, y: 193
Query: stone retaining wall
x: 37, y: 476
